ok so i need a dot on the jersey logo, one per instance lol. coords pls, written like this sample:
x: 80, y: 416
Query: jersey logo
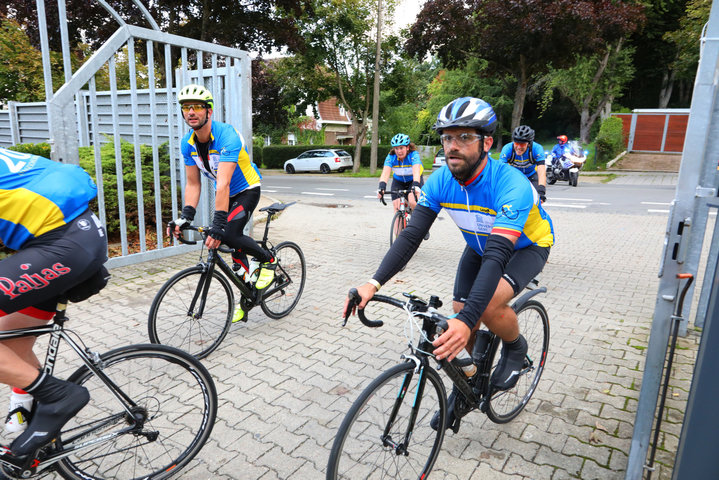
x: 83, y: 224
x: 509, y: 212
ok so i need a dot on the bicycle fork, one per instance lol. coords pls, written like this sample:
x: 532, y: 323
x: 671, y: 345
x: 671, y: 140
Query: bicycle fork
x: 402, y: 448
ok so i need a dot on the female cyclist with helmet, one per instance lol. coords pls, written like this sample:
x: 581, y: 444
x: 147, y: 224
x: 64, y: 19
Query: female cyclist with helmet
x: 528, y: 156
x: 404, y: 164
x: 218, y: 151
x: 507, y: 233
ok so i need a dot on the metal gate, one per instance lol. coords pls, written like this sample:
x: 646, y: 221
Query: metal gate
x: 76, y: 110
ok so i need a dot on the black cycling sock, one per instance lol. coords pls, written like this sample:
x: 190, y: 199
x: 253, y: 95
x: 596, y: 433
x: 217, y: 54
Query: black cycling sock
x: 57, y: 402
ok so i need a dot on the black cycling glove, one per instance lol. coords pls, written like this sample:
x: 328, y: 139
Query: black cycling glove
x: 415, y: 184
x: 542, y: 191
x: 382, y: 187
x: 219, y: 222
x: 186, y: 217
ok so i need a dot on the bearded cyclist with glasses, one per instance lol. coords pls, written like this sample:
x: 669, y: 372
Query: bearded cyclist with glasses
x: 507, y: 233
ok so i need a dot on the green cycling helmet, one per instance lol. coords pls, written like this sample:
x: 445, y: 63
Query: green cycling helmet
x: 195, y: 93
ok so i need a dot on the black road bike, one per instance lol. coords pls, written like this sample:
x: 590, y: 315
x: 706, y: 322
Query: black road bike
x: 151, y: 410
x: 193, y: 309
x: 388, y: 431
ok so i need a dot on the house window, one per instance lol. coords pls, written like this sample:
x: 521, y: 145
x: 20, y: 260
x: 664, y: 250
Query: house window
x: 342, y: 110
x: 291, y: 139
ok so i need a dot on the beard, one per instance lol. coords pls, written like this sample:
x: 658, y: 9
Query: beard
x: 464, y: 170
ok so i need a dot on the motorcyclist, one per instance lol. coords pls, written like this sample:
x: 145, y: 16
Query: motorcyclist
x: 558, y: 154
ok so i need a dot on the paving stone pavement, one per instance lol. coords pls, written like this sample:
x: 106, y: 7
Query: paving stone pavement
x: 285, y: 385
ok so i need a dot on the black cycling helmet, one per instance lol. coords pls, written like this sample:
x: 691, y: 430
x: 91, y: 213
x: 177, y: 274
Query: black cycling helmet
x: 467, y: 112
x: 523, y: 134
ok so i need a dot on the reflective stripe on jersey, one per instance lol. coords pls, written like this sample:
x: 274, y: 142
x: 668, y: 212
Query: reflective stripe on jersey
x: 499, y: 200
x: 402, y: 169
x: 526, y: 162
x: 38, y: 195
x: 226, y: 145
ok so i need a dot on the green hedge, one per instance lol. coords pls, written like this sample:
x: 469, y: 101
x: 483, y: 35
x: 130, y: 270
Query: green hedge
x: 610, y: 140
x: 275, y: 156
x: 39, y: 149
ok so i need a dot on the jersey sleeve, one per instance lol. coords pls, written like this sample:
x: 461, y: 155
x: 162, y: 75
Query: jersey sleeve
x: 538, y: 153
x: 232, y: 148
x: 513, y: 202
x: 388, y: 161
x: 185, y: 150
x: 431, y: 193
x: 504, y: 156
x: 414, y: 158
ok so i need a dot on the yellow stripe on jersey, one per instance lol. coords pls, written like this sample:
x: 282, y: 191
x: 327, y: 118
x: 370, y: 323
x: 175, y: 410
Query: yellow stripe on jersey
x: 537, y: 229
x: 462, y: 206
x: 245, y: 164
x: 34, y: 212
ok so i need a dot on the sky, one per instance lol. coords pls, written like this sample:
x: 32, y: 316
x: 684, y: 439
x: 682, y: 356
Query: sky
x: 406, y: 12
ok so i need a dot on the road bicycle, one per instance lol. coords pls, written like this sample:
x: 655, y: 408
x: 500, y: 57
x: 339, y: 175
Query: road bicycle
x: 193, y: 309
x: 401, y: 216
x: 151, y: 410
x: 388, y: 431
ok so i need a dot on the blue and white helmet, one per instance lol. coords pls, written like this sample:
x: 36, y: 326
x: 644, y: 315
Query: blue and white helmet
x: 467, y: 112
x: 399, y: 140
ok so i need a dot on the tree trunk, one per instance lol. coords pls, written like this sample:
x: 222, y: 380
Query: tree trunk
x: 520, y: 94
x: 375, y: 94
x: 665, y: 94
x: 360, y: 130
x: 205, y: 20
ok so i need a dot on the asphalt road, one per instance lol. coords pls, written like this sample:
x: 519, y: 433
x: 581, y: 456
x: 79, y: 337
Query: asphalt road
x: 590, y: 196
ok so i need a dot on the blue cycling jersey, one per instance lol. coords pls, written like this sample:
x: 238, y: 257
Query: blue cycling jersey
x: 38, y: 195
x: 402, y: 169
x: 527, y: 162
x: 499, y: 199
x: 226, y: 145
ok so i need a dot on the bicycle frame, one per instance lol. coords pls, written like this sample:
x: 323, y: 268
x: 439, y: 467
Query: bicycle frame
x: 91, y: 360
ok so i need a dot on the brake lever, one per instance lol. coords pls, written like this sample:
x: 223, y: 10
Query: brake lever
x: 355, y: 300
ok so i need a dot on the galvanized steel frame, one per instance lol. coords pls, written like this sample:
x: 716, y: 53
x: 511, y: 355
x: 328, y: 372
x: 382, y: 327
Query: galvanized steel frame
x: 696, y: 188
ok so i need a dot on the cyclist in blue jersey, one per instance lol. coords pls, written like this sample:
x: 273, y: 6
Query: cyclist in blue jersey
x: 218, y: 151
x: 507, y: 233
x: 406, y: 168
x: 60, y: 251
x: 529, y: 161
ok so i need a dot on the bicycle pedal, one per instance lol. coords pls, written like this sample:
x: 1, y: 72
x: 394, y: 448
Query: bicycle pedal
x: 455, y: 425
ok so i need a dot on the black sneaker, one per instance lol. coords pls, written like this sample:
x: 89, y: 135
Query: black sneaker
x: 50, y: 416
x: 434, y: 423
x: 510, y: 364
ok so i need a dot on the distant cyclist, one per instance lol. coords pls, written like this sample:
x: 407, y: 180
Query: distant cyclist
x: 218, y: 151
x: 507, y: 233
x: 405, y: 166
x: 60, y: 244
x: 528, y: 156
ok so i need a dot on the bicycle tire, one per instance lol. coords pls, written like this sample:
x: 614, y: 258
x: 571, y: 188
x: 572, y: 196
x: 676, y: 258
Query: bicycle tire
x: 399, y: 223
x: 170, y: 322
x: 291, y: 271
x: 534, y: 325
x: 358, y: 451
x: 180, y: 400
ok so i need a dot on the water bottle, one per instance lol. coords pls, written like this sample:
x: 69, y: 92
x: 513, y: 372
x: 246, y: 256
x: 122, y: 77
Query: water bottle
x: 19, y: 410
x: 254, y: 270
x: 480, y: 345
x: 463, y: 357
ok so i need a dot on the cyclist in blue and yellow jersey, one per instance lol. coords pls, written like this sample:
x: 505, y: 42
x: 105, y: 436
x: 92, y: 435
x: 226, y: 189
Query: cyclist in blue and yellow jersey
x: 529, y: 161
x: 60, y: 251
x: 507, y: 233
x: 405, y: 166
x: 218, y: 151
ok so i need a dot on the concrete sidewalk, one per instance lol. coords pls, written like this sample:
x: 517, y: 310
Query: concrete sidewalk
x: 285, y: 385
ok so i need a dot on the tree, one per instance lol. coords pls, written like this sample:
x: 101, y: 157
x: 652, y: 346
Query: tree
x: 338, y: 58
x: 592, y: 83
x: 552, y: 32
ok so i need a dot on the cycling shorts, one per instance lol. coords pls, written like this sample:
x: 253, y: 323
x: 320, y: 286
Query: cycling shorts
x: 32, y: 279
x: 399, y: 185
x: 523, y: 266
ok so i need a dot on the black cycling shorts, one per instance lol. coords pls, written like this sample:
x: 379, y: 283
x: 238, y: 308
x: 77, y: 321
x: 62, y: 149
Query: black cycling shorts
x: 399, y: 185
x: 523, y: 266
x: 32, y: 279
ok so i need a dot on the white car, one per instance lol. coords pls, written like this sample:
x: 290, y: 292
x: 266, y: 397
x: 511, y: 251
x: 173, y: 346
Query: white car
x: 321, y: 160
x: 439, y: 160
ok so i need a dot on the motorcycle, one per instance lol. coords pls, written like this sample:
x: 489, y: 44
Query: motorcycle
x: 567, y: 166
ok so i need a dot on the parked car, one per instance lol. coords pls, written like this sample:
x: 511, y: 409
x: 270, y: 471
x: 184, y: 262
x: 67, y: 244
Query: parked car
x: 439, y: 159
x: 321, y: 160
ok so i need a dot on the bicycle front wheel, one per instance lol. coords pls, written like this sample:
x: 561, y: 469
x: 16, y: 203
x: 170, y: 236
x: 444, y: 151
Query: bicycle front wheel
x: 399, y: 223
x: 534, y: 325
x: 182, y: 316
x: 285, y: 291
x: 387, y: 432
x: 176, y: 406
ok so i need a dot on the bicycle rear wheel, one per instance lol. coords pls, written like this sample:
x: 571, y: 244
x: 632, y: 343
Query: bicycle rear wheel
x: 176, y: 402
x: 534, y: 325
x: 285, y: 291
x: 171, y: 322
x: 399, y: 223
x: 371, y: 442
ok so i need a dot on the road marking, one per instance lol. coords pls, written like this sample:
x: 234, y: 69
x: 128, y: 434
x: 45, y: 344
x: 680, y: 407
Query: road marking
x: 318, y: 193
x: 656, y: 203
x: 335, y: 189
x: 654, y: 210
x: 573, y: 199
x: 269, y: 191
x: 370, y: 196
x: 276, y: 186
x: 561, y: 205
